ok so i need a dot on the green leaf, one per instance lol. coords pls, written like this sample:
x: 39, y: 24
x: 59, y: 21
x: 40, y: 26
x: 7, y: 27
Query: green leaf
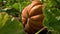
x: 3, y: 19
x: 52, y: 16
x: 16, y: 6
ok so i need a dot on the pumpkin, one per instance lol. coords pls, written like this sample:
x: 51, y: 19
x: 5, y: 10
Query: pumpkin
x: 32, y: 17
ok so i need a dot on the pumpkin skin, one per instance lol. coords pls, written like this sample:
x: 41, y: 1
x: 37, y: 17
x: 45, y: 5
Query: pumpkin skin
x: 35, y: 10
x: 32, y: 17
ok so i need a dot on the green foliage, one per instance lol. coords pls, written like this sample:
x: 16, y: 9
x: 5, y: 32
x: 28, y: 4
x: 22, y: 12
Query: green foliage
x: 9, y: 10
x: 3, y: 19
x: 9, y: 25
x: 16, y: 6
x: 51, y: 12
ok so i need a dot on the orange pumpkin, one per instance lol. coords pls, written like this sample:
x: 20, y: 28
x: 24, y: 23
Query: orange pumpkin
x: 32, y: 17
